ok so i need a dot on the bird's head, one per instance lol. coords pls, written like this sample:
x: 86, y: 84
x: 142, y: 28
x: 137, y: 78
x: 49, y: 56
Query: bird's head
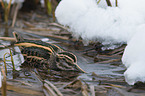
x: 67, y: 61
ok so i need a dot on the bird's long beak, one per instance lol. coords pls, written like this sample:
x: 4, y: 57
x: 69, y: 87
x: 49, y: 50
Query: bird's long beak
x: 79, y: 69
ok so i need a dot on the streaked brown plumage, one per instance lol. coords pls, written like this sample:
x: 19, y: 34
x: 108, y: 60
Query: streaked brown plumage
x: 40, y: 54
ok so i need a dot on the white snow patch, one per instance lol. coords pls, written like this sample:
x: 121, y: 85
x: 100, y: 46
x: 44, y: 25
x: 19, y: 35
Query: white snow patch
x: 110, y: 25
x: 90, y: 21
x: 134, y: 57
x: 14, y: 1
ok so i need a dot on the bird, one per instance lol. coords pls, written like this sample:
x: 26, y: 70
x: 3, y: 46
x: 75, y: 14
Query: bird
x: 39, y: 54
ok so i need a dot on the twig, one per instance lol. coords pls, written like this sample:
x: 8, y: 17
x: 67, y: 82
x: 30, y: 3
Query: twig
x: 4, y: 84
x: 116, y: 3
x: 45, y: 92
x: 28, y: 24
x: 92, y: 90
x: 108, y: 57
x: 5, y: 63
x: 12, y: 60
x: 53, y: 15
x: 117, y: 50
x: 50, y: 91
x: 15, y: 14
x: 42, y: 29
x: 48, y: 35
x: 23, y: 90
x: 48, y: 6
x: 109, y: 3
x: 9, y: 65
x: 58, y: 25
x: 50, y: 84
x: 23, y: 82
x: 13, y: 39
x: 84, y: 90
x: 7, y: 38
x: 98, y: 1
x: 7, y: 9
x: 9, y: 5
x: 113, y: 85
x: 109, y: 61
x: 2, y: 3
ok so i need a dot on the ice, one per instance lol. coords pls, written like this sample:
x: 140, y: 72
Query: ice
x: 110, y: 25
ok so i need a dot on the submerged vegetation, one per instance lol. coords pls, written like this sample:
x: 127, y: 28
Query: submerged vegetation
x: 12, y: 61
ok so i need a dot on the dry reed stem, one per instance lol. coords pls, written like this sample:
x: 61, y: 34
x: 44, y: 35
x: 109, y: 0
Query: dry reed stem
x: 2, y: 3
x: 5, y: 62
x: 113, y: 85
x: 92, y: 89
x: 49, y: 90
x: 116, y: 3
x: 7, y: 9
x: 7, y: 38
x: 55, y: 89
x: 84, y: 90
x: 109, y: 3
x: 4, y: 84
x: 26, y: 91
x: 15, y: 14
x: 45, y: 92
x: 9, y: 5
x: 98, y: 2
x: 12, y: 60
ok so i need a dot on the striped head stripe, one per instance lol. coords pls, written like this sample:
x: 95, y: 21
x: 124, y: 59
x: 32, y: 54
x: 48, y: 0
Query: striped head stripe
x: 69, y: 59
x: 71, y: 55
x: 56, y: 47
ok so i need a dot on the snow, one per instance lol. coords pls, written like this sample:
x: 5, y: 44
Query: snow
x: 14, y: 1
x: 133, y: 57
x: 42, y: 3
x: 90, y: 21
x: 110, y: 25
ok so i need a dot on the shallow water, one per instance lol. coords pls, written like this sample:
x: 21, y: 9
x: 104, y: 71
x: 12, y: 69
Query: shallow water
x: 86, y: 63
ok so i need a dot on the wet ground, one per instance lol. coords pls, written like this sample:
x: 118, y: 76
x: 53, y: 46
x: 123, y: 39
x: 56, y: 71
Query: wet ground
x: 104, y: 72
